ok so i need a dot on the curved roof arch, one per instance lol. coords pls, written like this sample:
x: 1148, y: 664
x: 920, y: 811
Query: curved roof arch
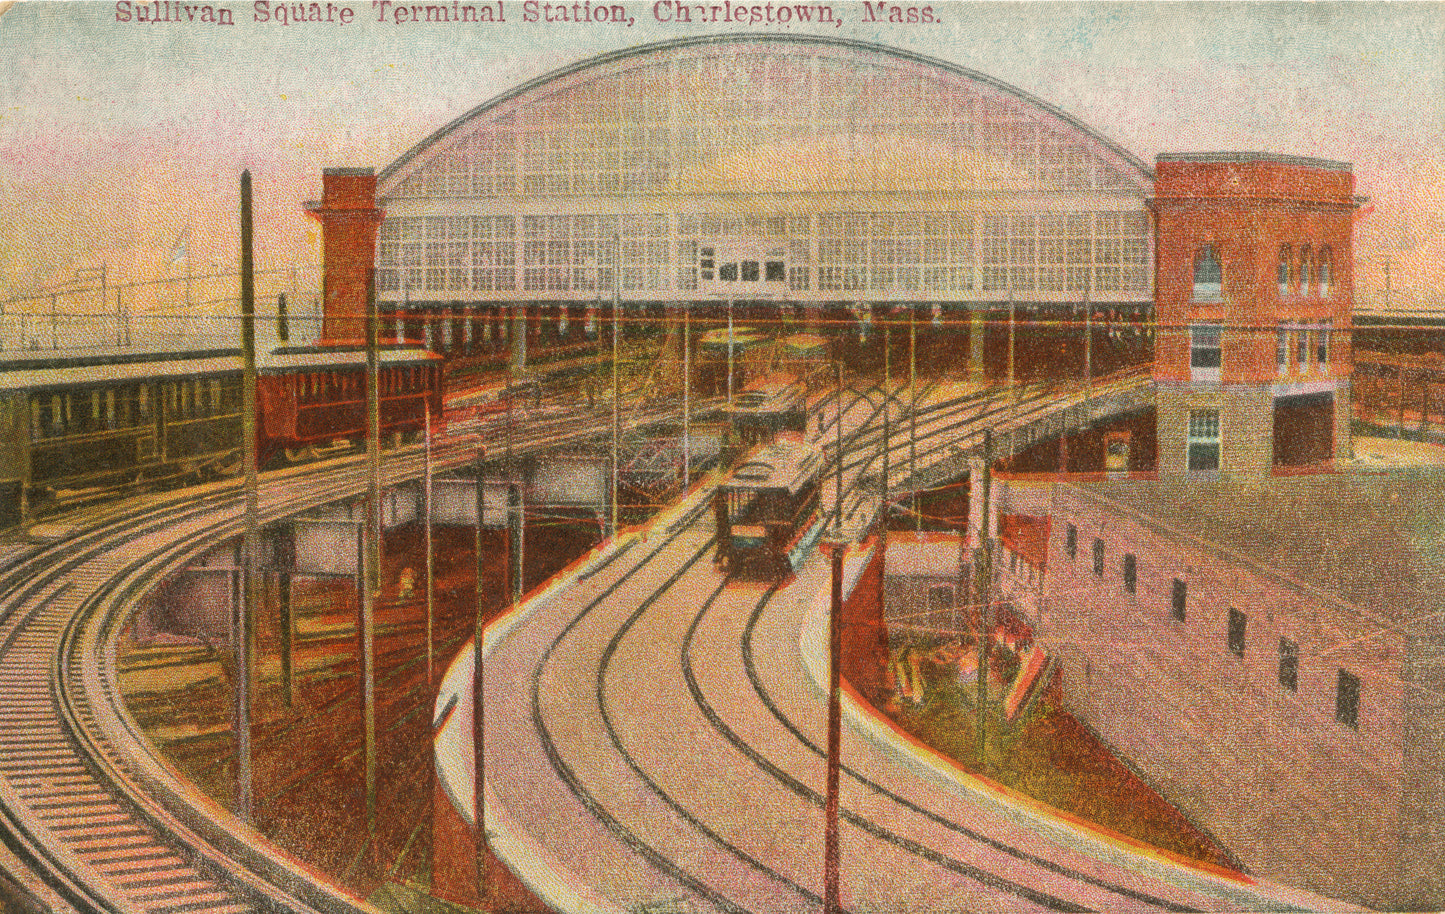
x: 930, y: 162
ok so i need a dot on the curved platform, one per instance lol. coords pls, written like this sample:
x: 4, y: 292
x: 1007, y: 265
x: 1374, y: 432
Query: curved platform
x: 653, y: 742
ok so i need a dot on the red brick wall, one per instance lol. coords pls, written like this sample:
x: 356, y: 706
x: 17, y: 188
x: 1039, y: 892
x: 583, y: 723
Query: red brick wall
x: 865, y: 640
x: 1246, y: 209
x: 349, y: 223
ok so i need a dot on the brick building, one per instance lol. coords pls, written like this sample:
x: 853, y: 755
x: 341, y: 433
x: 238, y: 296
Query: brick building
x: 1268, y: 653
x: 1253, y: 294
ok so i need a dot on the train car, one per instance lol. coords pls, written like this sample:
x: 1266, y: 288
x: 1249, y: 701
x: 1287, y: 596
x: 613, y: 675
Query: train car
x: 767, y: 407
x: 79, y: 428
x: 768, y: 508
x: 312, y: 400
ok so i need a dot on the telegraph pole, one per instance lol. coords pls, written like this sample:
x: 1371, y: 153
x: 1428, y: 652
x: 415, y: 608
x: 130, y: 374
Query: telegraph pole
x: 913, y: 416
x: 835, y: 546
x: 887, y: 408
x: 371, y: 574
x: 730, y: 353
x: 481, y: 852
x: 251, y: 538
x: 430, y: 563
x: 983, y: 571
x: 686, y: 396
x: 616, y: 386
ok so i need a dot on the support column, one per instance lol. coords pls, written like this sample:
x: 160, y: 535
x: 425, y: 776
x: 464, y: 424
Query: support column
x: 517, y: 335
x: 1344, y: 434
x: 285, y: 552
x: 516, y: 530
x: 975, y: 343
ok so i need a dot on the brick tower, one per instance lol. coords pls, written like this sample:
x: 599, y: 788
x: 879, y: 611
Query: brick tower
x: 349, y: 221
x: 1254, y: 291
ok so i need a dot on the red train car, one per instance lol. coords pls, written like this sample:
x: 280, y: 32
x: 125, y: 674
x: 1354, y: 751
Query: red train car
x: 312, y: 399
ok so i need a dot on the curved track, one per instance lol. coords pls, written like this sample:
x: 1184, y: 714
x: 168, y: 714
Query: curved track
x: 98, y: 820
x: 654, y: 743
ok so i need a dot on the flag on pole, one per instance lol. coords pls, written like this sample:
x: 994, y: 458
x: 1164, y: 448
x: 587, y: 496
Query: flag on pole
x: 178, y: 253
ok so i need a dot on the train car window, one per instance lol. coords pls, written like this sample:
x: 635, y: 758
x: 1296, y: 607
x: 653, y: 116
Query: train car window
x: 36, y: 425
x: 216, y: 395
x: 144, y: 402
x: 95, y: 400
x: 57, y: 415
x: 110, y: 408
x: 750, y: 271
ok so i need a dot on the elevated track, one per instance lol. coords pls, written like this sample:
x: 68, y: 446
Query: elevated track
x: 700, y: 706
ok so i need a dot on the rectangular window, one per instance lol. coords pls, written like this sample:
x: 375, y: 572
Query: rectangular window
x: 1289, y: 664
x: 1204, y: 439
x: 1281, y: 349
x: 1322, y: 345
x: 775, y: 271
x: 1237, y: 622
x: 1178, y: 600
x: 1098, y: 558
x: 1204, y: 352
x: 728, y: 272
x: 1347, y: 700
x: 750, y: 271
x: 1071, y: 540
x: 1131, y: 572
x: 1302, y: 349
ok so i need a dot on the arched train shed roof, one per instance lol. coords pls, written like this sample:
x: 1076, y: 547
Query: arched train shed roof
x: 1125, y: 172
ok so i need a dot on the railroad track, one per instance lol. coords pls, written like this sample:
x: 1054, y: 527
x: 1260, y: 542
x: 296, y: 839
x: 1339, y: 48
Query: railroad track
x: 98, y: 821
x: 91, y: 818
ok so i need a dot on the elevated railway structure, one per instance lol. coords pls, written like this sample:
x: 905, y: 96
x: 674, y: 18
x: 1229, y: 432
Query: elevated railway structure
x: 97, y: 823
x: 655, y: 731
x: 92, y: 819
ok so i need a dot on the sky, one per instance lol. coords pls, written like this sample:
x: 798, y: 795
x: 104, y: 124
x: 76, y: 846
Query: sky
x: 121, y: 142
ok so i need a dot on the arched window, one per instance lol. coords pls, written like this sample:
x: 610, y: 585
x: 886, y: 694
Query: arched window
x: 1305, y: 270
x: 1208, y: 277
x: 1285, y: 257
x: 1325, y: 272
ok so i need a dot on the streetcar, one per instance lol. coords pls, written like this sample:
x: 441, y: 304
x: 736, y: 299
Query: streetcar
x: 767, y: 407
x: 82, y: 428
x: 768, y: 509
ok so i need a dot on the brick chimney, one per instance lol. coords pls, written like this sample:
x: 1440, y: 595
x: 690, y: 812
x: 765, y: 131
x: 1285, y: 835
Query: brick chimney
x: 349, y: 221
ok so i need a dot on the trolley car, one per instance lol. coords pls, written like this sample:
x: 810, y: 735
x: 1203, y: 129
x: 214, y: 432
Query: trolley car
x: 767, y: 407
x: 82, y: 428
x: 767, y: 508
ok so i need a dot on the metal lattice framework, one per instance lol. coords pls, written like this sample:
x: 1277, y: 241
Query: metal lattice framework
x: 875, y: 173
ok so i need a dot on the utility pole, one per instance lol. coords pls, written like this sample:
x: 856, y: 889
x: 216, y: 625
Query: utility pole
x: 686, y: 396
x: 1012, y: 388
x: 481, y: 853
x: 831, y: 895
x: 371, y: 576
x: 913, y: 416
x: 426, y: 507
x: 1088, y: 346
x: 887, y: 439
x: 730, y: 354
x: 983, y: 572
x: 250, y: 542
x: 616, y: 386
x: 838, y: 454
x: 836, y: 548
